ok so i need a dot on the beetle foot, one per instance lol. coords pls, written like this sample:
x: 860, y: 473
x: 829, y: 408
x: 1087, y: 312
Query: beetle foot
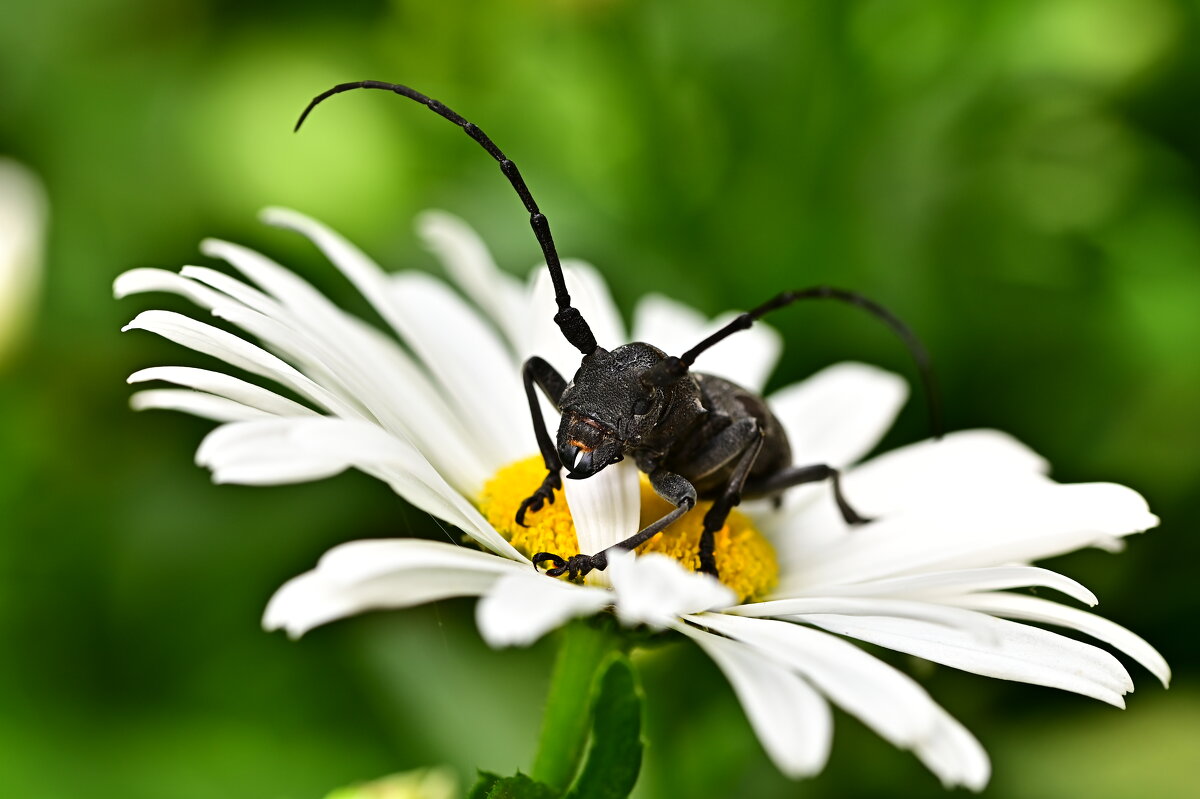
x: 855, y: 520
x: 544, y: 494
x: 575, y: 567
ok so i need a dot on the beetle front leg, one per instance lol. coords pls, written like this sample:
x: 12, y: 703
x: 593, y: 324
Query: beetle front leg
x: 537, y: 371
x: 668, y: 485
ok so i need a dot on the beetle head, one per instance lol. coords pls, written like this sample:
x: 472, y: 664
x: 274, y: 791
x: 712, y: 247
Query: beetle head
x: 609, y: 406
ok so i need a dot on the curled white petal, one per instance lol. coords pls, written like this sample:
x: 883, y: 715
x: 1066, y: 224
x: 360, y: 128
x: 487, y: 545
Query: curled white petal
x: 605, y: 508
x: 523, y: 606
x: 369, y: 575
x: 655, y: 590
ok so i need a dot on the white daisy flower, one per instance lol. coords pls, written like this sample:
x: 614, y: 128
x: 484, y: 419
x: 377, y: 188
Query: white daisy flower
x: 23, y: 213
x: 440, y: 415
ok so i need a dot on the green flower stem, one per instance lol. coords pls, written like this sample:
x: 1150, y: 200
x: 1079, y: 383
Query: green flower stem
x: 568, y: 720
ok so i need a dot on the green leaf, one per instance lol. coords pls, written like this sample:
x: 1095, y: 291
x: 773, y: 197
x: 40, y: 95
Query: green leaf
x: 615, y: 755
x: 483, y: 785
x: 521, y: 787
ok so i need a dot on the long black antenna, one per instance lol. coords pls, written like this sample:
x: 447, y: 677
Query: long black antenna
x: 568, y: 318
x: 672, y: 368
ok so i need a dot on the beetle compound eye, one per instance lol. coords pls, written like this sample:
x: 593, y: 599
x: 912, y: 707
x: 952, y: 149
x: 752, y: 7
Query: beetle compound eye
x: 641, y: 407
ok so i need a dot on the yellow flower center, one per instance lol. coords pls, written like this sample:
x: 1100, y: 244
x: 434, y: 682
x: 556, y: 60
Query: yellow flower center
x: 745, y: 559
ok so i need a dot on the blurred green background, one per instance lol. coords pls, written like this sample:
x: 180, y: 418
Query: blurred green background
x: 1017, y: 179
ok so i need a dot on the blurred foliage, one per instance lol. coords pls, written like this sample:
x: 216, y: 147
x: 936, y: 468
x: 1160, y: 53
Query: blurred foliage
x: 1016, y: 178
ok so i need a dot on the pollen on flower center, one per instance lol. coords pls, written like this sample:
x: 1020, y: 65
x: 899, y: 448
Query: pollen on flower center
x: 745, y: 559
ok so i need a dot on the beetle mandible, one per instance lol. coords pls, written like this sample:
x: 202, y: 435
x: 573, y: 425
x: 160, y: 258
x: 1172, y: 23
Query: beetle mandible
x: 697, y: 436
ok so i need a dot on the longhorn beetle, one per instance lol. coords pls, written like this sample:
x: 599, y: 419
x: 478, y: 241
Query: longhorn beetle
x: 697, y: 436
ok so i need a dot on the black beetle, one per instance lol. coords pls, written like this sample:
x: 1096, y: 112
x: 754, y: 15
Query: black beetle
x: 697, y: 436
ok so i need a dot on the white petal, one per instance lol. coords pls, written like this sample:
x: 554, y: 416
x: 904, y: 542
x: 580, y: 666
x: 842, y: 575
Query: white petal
x: 444, y: 359
x: 236, y: 352
x: 406, y: 470
x: 363, y: 367
x: 524, y: 606
x: 1029, y: 608
x: 655, y: 590
x: 253, y: 311
x: 933, y: 585
x: 233, y: 289
x: 839, y: 414
x: 669, y: 325
x: 475, y: 368
x: 376, y: 372
x: 882, y: 697
x: 293, y: 292
x: 955, y: 755
x: 319, y: 362
x: 1011, y: 652
x: 745, y: 358
x: 932, y: 613
x: 261, y: 452
x: 964, y: 462
x: 885, y: 699
x: 258, y: 315
x: 930, y: 475
x: 367, y: 575
x: 590, y: 295
x: 223, y: 385
x: 793, y: 722
x: 605, y: 508
x: 1023, y: 522
x: 314, y: 335
x: 144, y: 280
x: 369, y: 559
x: 197, y: 403
x: 361, y: 271
x: 471, y: 267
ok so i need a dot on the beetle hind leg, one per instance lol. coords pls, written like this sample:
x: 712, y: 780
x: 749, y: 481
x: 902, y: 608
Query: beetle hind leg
x: 773, y: 484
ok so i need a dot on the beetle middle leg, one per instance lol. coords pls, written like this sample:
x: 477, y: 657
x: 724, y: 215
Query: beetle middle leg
x: 798, y: 475
x: 540, y: 373
x: 732, y: 495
